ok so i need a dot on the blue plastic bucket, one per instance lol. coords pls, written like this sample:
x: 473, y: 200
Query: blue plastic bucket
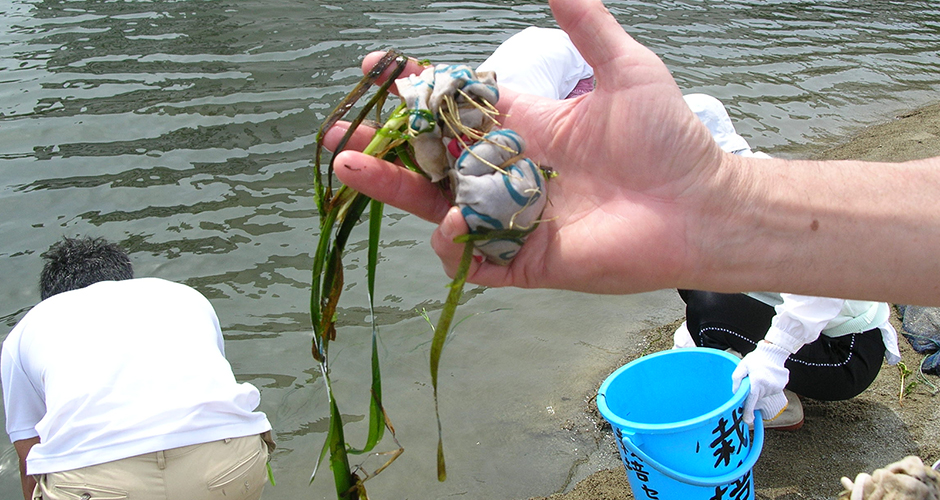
x: 680, y: 428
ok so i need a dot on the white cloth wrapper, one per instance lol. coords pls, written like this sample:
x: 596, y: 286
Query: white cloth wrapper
x: 424, y: 95
x: 492, y: 200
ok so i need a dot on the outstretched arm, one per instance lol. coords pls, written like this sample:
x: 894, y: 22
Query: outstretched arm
x: 585, y: 140
x: 646, y: 200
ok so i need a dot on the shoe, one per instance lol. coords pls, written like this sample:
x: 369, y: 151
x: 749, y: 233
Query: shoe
x: 791, y: 418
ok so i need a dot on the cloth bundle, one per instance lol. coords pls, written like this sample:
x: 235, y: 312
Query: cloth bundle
x: 907, y: 479
x: 922, y: 329
x: 496, y: 187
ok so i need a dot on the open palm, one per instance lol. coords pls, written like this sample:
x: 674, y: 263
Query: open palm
x: 627, y: 155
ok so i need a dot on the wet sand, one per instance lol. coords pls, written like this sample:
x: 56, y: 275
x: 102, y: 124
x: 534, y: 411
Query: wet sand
x: 839, y: 438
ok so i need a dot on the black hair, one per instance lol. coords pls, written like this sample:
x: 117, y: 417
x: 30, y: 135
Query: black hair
x: 75, y: 263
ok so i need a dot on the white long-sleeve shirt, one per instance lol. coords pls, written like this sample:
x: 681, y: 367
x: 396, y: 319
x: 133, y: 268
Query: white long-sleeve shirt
x: 801, y: 319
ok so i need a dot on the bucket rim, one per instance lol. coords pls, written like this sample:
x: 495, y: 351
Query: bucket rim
x: 629, y: 426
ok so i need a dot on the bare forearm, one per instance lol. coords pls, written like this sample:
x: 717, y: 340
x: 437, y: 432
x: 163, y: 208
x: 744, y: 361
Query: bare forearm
x: 29, y: 484
x: 22, y: 448
x: 840, y: 229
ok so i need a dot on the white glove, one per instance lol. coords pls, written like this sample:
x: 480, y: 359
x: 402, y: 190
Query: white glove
x: 855, y: 490
x: 907, y: 479
x: 764, y: 367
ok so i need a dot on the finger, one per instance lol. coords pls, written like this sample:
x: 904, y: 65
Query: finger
x: 737, y: 376
x: 910, y: 465
x: 391, y: 184
x: 858, y: 491
x: 358, y: 141
x: 772, y: 406
x: 480, y: 272
x: 412, y: 67
x: 442, y: 241
x: 846, y: 483
x: 601, y: 40
x: 749, y: 409
x: 911, y: 486
x: 507, y: 97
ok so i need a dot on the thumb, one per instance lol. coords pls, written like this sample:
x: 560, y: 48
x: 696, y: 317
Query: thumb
x: 846, y: 483
x: 749, y: 407
x: 600, y: 39
x: 738, y: 376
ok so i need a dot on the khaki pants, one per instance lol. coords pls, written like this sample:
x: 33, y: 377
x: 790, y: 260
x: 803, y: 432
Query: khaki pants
x: 230, y: 469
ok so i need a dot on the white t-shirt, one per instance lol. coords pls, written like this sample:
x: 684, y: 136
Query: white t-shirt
x: 539, y: 61
x: 118, y: 369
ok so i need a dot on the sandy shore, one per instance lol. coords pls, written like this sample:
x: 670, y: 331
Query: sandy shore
x: 839, y: 438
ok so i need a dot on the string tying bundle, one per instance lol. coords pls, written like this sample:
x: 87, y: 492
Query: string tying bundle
x: 455, y: 136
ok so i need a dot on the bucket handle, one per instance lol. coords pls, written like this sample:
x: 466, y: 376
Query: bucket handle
x: 753, y: 454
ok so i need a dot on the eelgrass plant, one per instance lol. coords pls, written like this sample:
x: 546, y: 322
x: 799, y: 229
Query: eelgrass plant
x: 340, y: 210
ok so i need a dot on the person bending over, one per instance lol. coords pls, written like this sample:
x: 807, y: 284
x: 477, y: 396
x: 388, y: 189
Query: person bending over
x: 118, y: 387
x: 823, y: 348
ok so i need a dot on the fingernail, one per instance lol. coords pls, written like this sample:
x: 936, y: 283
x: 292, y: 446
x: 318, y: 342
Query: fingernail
x: 447, y: 229
x: 334, y: 135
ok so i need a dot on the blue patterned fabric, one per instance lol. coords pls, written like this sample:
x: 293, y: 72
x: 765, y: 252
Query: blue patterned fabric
x: 426, y: 94
x: 494, y: 185
x: 495, y: 196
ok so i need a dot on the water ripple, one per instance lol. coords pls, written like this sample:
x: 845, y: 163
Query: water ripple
x: 185, y: 131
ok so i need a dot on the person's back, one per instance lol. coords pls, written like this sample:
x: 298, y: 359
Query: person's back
x: 107, y: 376
x: 126, y: 367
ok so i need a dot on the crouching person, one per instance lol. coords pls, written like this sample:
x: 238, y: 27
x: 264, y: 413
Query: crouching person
x: 116, y: 387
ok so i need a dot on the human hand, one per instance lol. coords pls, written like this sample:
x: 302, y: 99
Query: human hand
x: 635, y: 168
x: 764, y: 368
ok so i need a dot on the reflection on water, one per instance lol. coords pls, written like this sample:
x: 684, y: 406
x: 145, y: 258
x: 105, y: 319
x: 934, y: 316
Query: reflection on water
x: 185, y: 131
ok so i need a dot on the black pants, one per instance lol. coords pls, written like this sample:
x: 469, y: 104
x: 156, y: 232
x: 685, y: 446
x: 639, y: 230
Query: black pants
x: 828, y: 369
